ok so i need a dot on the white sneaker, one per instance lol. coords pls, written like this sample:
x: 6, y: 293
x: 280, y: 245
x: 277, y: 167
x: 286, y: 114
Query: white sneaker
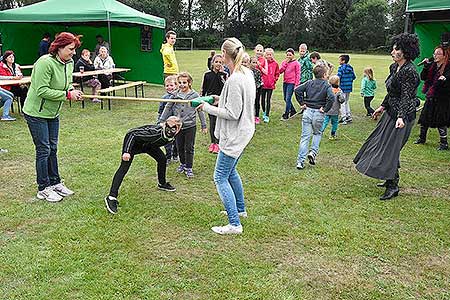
x: 227, y: 229
x: 49, y: 194
x: 241, y: 214
x: 62, y: 190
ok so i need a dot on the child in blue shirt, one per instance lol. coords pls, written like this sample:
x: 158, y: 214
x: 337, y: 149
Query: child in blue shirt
x: 346, y: 77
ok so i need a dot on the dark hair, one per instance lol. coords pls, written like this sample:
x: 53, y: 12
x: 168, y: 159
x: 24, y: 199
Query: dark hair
x: 290, y: 50
x: 99, y: 36
x: 46, y: 35
x: 345, y: 58
x: 62, y: 40
x: 168, y: 33
x: 314, y: 54
x: 6, y: 54
x: 408, y: 43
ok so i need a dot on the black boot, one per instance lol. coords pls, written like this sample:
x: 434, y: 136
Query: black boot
x: 443, y: 145
x: 391, y: 189
x: 423, y: 135
x: 384, y: 184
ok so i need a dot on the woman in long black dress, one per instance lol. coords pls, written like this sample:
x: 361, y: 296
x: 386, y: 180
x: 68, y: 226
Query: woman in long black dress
x: 379, y: 157
x: 436, y: 111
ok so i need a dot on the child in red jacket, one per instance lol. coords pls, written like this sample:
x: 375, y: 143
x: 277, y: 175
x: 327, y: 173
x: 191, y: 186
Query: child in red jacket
x: 269, y: 79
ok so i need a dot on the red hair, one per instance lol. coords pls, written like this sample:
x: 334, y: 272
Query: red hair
x: 62, y: 40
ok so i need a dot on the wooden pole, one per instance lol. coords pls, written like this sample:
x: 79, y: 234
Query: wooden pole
x: 136, y: 99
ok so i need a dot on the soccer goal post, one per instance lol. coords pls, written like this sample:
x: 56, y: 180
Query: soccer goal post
x: 184, y: 44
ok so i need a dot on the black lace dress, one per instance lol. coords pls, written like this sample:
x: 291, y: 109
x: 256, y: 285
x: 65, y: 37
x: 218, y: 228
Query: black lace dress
x: 379, y: 157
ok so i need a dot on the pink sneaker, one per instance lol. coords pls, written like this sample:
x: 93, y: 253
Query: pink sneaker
x: 257, y: 120
x: 216, y: 149
x: 211, y: 147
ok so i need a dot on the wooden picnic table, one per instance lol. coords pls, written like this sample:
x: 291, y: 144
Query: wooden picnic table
x: 24, y: 80
x: 97, y: 72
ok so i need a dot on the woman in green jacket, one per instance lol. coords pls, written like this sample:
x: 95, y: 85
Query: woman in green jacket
x: 51, y: 85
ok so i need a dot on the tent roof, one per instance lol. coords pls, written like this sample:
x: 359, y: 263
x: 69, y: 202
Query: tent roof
x: 427, y: 5
x: 69, y: 11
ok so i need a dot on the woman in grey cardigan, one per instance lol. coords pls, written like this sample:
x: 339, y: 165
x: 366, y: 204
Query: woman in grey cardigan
x: 234, y: 128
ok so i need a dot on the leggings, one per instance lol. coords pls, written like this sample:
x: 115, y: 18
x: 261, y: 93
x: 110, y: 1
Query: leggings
x: 258, y: 101
x: 266, y: 95
x: 154, y: 152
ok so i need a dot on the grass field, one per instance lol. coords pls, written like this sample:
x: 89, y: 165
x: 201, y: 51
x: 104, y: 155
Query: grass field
x: 319, y: 233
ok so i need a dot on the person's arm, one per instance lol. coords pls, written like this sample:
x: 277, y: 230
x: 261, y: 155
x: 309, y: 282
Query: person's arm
x: 330, y: 99
x: 264, y: 68
x: 297, y: 74
x: 407, y: 92
x: 363, y: 85
x: 283, y: 66
x: 277, y: 72
x: 166, y: 112
x: 97, y: 63
x: 201, y: 115
x: 299, y: 93
x: 339, y: 72
x: 41, y: 82
x: 233, y: 103
x: 203, y: 88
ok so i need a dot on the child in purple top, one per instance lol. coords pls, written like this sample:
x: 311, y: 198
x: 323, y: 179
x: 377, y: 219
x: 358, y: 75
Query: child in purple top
x: 291, y: 69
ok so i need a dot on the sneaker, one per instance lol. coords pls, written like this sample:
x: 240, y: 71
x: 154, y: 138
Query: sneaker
x: 227, y: 229
x: 95, y: 100
x: 62, y: 190
x: 216, y: 149
x: 344, y: 122
x: 166, y: 187
x: 242, y: 214
x: 292, y: 114
x: 332, y: 137
x: 349, y: 119
x: 49, y: 194
x: 3, y: 150
x: 175, y: 158
x: 284, y: 117
x: 257, y: 120
x: 343, y: 119
x: 189, y: 173
x: 311, y: 158
x: 211, y: 147
x: 111, y: 204
x: 8, y: 118
x: 168, y: 161
x: 266, y: 119
x: 181, y: 168
x: 300, y: 166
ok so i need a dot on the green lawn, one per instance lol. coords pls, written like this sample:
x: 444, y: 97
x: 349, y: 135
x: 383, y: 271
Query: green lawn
x: 319, y: 233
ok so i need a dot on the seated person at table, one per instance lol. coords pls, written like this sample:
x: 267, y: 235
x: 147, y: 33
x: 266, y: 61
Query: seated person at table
x: 104, y: 62
x: 86, y: 63
x: 100, y: 43
x: 9, y: 70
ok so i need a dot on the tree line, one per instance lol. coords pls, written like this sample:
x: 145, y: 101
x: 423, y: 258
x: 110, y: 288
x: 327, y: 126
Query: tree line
x: 323, y: 24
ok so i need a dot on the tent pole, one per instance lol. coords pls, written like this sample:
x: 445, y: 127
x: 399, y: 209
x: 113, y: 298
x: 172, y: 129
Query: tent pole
x: 407, y: 19
x: 109, y: 31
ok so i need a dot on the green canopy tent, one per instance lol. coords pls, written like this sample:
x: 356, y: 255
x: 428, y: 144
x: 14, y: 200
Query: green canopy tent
x: 135, y: 37
x: 428, y: 19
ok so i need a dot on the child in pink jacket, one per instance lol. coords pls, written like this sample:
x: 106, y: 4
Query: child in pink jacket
x: 291, y: 69
x: 269, y: 80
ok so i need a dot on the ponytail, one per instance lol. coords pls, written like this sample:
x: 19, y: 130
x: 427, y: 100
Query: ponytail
x: 234, y: 48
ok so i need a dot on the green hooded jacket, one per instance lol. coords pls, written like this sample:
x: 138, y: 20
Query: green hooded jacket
x: 51, y: 78
x: 306, y: 68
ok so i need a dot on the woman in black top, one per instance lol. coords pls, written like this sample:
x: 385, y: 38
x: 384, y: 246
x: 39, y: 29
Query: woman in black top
x: 85, y: 64
x: 436, y: 111
x: 379, y: 157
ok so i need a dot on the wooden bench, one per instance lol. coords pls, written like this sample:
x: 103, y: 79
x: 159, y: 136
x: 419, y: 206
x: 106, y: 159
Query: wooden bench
x: 124, y: 87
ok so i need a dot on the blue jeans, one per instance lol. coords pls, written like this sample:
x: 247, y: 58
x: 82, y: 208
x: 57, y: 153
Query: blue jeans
x: 45, y: 138
x: 6, y: 101
x: 334, y: 123
x: 229, y: 186
x: 312, y: 122
x: 288, y: 90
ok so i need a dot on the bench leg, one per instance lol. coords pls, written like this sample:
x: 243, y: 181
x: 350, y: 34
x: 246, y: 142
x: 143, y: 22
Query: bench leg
x: 109, y: 102
x: 101, y: 104
x: 142, y: 90
x: 125, y: 92
x: 135, y: 91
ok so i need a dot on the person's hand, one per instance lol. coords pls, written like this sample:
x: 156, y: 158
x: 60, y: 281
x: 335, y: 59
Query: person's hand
x: 303, y: 106
x: 204, y: 130
x: 216, y: 100
x: 76, y: 95
x: 321, y: 110
x: 399, y: 123
x: 126, y: 156
x: 18, y: 77
x: 442, y: 77
x: 424, y: 61
x: 200, y: 107
x: 377, y: 112
x: 362, y: 95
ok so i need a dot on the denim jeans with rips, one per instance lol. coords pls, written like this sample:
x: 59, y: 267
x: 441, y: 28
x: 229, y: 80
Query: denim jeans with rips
x: 229, y: 186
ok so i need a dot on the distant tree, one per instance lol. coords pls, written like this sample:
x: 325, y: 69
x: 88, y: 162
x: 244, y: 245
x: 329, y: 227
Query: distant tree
x: 294, y: 23
x: 396, y: 16
x: 367, y: 23
x: 7, y: 4
x: 329, y: 23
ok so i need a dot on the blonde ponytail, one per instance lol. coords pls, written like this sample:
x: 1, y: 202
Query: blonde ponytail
x: 234, y: 48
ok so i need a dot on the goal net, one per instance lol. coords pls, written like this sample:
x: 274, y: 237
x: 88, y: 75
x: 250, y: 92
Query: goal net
x: 184, y: 44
